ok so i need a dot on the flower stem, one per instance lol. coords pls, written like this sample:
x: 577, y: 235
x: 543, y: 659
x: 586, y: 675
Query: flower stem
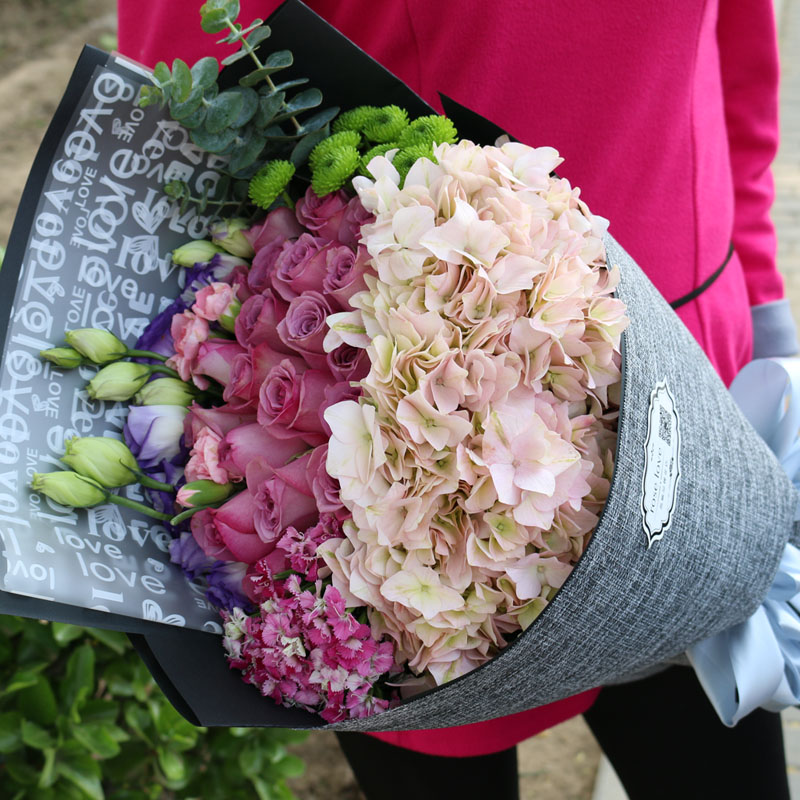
x: 166, y: 370
x: 141, y: 508
x: 289, y: 201
x: 145, y: 354
x: 152, y: 483
x: 184, y: 515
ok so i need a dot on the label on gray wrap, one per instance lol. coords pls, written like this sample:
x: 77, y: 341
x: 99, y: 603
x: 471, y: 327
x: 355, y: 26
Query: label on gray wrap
x: 662, y: 450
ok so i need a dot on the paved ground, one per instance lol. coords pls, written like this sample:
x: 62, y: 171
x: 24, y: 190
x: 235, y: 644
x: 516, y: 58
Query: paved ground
x: 786, y: 214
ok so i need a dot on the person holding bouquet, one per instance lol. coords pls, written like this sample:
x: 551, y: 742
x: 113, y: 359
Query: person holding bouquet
x: 669, y: 126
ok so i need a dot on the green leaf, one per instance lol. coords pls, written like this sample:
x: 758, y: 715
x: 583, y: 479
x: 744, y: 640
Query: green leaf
x: 99, y: 711
x: 290, y: 766
x: 251, y: 761
x: 22, y: 678
x: 84, y: 772
x: 181, y: 81
x: 318, y: 120
x: 268, y: 107
x: 172, y: 764
x: 259, y: 35
x: 306, y: 100
x: 38, y: 702
x: 79, y: 679
x: 113, y: 640
x: 149, y: 96
x: 10, y: 736
x: 20, y: 771
x: 189, y: 106
x: 35, y: 736
x: 223, y: 111
x: 48, y: 776
x: 234, y: 57
x: 64, y: 633
x: 161, y: 74
x: 302, y: 149
x: 138, y: 720
x: 204, y: 72
x: 212, y: 142
x: 245, y: 154
x: 97, y: 739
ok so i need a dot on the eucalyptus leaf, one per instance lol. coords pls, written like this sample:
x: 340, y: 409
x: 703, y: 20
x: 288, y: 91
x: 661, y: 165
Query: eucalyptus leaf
x: 286, y: 85
x: 181, y: 110
x: 245, y: 154
x: 222, y: 112
x: 304, y: 147
x: 181, y: 81
x: 276, y: 61
x: 213, y: 20
x: 306, y: 100
x: 213, y: 142
x: 234, y: 57
x: 249, y: 105
x: 259, y: 35
x: 268, y: 107
x: 204, y: 72
x: 194, y: 120
x: 161, y: 74
x: 318, y: 120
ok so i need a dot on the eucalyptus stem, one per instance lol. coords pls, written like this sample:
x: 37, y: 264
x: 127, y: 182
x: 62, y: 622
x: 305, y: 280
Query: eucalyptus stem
x: 141, y: 508
x: 252, y: 53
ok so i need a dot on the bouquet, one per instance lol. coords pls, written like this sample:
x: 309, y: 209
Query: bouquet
x: 378, y: 424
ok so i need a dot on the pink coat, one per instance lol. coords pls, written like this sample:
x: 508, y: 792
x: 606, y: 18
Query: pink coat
x: 665, y: 114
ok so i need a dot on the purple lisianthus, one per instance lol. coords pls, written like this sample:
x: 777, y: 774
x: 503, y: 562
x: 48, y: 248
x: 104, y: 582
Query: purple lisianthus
x: 153, y: 433
x: 219, y: 269
x: 186, y: 553
x: 157, y: 337
x: 225, y: 586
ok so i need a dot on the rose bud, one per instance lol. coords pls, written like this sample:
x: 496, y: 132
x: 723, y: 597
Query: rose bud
x: 322, y: 215
x: 217, y: 303
x: 214, y: 358
x: 64, y: 357
x: 234, y: 522
x: 248, y: 442
x: 227, y: 233
x: 154, y: 433
x: 203, y: 493
x: 107, y: 461
x: 165, y: 392
x: 69, y: 489
x: 279, y: 224
x: 97, y: 345
x: 304, y: 328
x: 118, y: 381
x: 195, y: 252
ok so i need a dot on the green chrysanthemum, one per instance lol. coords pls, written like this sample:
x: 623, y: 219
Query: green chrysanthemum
x: 333, y: 161
x: 269, y: 182
x: 378, y: 150
x: 408, y: 156
x: 353, y: 120
x: 433, y: 129
x: 386, y: 124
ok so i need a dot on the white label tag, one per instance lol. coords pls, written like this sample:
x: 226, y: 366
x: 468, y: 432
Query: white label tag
x: 662, y: 450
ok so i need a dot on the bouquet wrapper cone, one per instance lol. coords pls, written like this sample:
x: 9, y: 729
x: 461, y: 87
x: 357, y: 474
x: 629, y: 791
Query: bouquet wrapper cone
x: 692, y: 534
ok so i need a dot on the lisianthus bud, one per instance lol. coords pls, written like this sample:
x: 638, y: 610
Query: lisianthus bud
x: 227, y: 233
x: 118, y: 381
x: 97, y: 345
x: 200, y: 251
x: 165, y: 392
x: 69, y: 489
x: 203, y: 493
x: 107, y: 461
x: 64, y: 357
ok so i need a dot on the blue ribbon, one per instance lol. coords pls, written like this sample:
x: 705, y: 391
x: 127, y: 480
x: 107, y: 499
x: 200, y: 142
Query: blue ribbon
x: 757, y: 663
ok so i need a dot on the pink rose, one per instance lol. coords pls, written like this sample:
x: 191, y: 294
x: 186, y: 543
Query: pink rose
x: 207, y: 536
x: 235, y: 527
x: 203, y: 464
x: 213, y: 301
x: 289, y: 401
x: 348, y: 363
x: 278, y: 224
x: 300, y: 266
x: 304, y: 329
x: 344, y: 274
x: 354, y: 217
x: 279, y: 505
x: 245, y: 443
x: 259, y: 279
x: 215, y: 357
x: 322, y: 215
x: 324, y: 487
x: 188, y: 332
x: 258, y: 321
x: 220, y: 420
x: 248, y: 371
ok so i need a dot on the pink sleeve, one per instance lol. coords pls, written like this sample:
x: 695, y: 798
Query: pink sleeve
x: 750, y: 68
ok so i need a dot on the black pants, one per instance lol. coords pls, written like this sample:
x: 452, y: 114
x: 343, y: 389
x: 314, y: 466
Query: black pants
x: 661, y: 734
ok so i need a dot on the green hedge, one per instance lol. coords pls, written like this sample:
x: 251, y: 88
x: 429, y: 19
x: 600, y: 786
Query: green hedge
x: 80, y: 717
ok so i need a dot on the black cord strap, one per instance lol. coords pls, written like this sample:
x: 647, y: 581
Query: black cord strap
x: 687, y: 298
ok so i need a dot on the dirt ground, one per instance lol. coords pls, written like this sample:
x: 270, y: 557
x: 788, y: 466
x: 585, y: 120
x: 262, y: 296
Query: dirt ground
x: 40, y: 41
